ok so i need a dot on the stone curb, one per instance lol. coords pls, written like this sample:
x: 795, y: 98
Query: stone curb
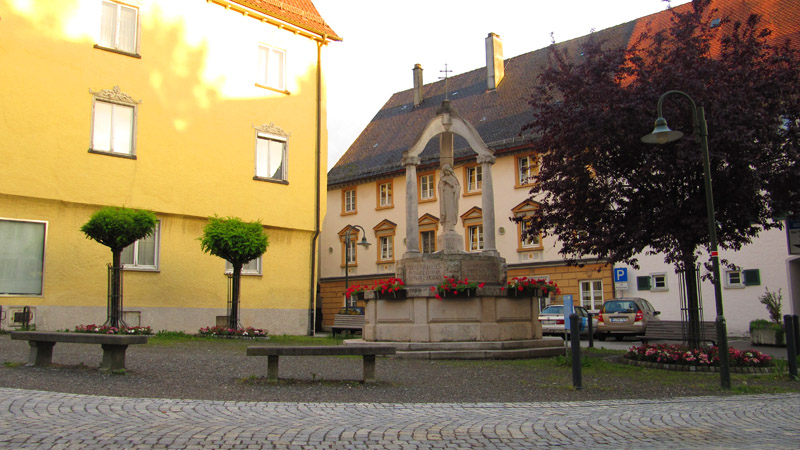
x: 688, y: 368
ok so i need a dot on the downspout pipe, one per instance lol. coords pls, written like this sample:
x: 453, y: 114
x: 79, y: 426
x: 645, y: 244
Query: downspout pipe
x: 318, y: 154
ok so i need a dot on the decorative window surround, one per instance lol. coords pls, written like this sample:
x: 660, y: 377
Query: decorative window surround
x: 428, y: 229
x: 384, y: 233
x: 114, y: 123
x: 272, y: 149
x: 522, y: 210
x: 473, y: 226
x: 426, y: 187
x: 384, y: 193
x: 354, y: 239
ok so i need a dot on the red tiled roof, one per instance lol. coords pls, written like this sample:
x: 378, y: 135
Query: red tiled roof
x: 499, y: 115
x: 301, y: 13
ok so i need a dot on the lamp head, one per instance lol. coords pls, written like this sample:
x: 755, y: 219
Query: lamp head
x: 364, y: 242
x: 661, y: 133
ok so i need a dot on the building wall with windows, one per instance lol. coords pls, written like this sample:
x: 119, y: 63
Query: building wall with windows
x: 538, y: 258
x: 188, y: 109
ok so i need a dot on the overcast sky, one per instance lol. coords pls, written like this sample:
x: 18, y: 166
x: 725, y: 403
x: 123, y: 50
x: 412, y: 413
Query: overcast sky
x: 383, y: 39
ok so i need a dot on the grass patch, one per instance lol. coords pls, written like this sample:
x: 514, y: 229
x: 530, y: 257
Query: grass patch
x: 13, y: 364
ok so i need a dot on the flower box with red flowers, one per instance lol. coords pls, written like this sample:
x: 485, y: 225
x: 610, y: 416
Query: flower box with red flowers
x: 453, y: 288
x: 530, y: 287
x: 391, y: 289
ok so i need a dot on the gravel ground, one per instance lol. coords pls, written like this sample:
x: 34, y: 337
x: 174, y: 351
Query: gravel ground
x: 220, y: 370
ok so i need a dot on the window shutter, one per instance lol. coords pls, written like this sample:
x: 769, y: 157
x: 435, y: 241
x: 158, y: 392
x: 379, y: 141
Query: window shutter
x: 108, y: 22
x: 752, y: 277
x: 643, y: 283
x: 127, y: 29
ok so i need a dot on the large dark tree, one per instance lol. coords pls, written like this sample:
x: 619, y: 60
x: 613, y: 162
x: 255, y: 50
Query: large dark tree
x: 117, y: 228
x: 606, y: 194
x: 237, y: 242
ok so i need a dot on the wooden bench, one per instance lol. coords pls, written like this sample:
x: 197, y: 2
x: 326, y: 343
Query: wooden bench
x: 368, y: 353
x: 351, y: 322
x: 672, y: 330
x: 42, y: 343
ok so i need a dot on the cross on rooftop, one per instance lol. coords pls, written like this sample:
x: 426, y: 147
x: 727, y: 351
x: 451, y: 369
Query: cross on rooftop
x: 445, y: 71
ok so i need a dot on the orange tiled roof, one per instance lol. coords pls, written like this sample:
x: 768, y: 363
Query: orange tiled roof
x: 499, y: 115
x: 300, y: 13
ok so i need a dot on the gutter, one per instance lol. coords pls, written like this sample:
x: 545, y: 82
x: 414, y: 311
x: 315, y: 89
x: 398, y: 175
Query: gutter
x: 315, y: 236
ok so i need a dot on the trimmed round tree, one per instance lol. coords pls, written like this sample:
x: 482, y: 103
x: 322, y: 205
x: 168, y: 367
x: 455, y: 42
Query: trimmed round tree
x: 118, y: 228
x: 237, y: 242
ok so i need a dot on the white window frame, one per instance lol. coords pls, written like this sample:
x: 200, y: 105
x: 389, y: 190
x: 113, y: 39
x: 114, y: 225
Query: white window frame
x: 525, y: 165
x: 474, y: 179
x: 33, y: 264
x: 595, y: 294
x: 349, y: 201
x: 264, y: 150
x: 531, y: 243
x: 426, y: 187
x: 136, y: 264
x: 475, y: 233
x: 113, y: 128
x: 386, y: 197
x: 271, y: 74
x: 252, y: 267
x: 117, y: 31
x: 731, y: 283
x: 386, y: 247
x: 656, y: 285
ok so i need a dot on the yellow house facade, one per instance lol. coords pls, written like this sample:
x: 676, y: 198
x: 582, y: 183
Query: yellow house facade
x: 188, y: 109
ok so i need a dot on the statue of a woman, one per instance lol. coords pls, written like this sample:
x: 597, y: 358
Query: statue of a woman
x: 449, y: 191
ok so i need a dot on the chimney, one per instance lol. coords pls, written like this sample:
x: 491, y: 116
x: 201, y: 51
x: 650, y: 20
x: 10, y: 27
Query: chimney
x: 494, y: 61
x: 417, y: 85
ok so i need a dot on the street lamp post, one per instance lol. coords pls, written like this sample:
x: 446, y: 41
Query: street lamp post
x: 347, y: 256
x: 662, y: 134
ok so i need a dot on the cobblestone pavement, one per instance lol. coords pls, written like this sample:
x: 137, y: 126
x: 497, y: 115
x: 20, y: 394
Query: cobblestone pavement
x: 47, y: 420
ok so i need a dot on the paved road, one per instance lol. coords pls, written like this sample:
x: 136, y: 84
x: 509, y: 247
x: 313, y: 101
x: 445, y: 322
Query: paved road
x: 46, y: 420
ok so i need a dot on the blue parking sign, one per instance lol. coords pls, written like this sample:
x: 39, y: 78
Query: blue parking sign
x: 620, y: 274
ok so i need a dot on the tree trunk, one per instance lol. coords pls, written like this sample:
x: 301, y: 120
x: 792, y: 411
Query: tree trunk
x: 692, y: 299
x: 233, y: 318
x: 115, y: 291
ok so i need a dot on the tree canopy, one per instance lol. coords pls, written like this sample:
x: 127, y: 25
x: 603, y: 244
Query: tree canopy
x: 118, y: 228
x: 234, y: 240
x: 606, y: 194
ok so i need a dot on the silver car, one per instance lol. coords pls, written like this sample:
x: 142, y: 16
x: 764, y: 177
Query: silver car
x: 552, y: 320
x: 622, y: 317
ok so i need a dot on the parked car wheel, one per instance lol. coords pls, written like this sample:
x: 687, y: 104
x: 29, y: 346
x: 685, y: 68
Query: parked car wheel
x: 601, y: 336
x: 619, y: 337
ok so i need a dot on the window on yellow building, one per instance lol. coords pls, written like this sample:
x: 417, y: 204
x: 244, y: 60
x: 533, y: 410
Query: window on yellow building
x: 473, y: 223
x: 271, y: 68
x: 527, y: 166
x: 427, y: 187
x: 252, y: 267
x: 270, y: 157
x: 113, y: 127
x: 385, y: 232
x: 143, y: 254
x: 21, y: 256
x: 428, y: 226
x: 118, y: 27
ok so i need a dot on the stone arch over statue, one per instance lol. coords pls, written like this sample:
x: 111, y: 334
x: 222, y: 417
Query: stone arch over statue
x: 446, y: 124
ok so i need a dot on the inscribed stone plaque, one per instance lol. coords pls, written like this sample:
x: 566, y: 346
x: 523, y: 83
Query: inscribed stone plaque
x: 423, y: 272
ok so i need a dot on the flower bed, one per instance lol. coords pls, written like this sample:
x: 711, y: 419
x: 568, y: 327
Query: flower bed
x: 105, y: 329
x: 680, y: 355
x: 218, y: 331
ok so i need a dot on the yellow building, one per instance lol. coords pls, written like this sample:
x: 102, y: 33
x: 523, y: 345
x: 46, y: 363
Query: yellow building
x: 186, y: 108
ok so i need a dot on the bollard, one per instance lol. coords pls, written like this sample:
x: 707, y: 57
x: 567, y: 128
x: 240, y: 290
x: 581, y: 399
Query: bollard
x: 591, y: 330
x: 575, y: 340
x: 796, y: 334
x: 791, y: 354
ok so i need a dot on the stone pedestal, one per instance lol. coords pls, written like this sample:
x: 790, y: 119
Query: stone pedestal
x: 430, y: 269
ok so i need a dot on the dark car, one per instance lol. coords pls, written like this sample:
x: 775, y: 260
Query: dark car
x: 625, y: 317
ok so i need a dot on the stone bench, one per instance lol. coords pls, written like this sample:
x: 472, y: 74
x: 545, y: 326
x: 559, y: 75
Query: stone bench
x: 42, y: 343
x: 352, y: 322
x: 368, y: 353
x: 672, y: 330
